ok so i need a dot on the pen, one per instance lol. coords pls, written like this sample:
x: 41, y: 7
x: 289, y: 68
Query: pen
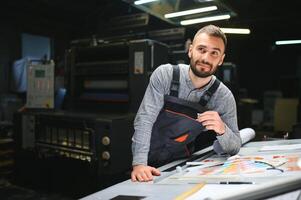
x: 235, y: 182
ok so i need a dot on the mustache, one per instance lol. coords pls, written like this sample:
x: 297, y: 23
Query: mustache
x: 204, y: 62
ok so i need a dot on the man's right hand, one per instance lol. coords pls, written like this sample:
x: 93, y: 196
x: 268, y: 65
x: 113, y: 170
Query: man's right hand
x: 143, y: 173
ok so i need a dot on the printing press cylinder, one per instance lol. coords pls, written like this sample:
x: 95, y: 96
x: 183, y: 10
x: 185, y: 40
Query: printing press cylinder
x: 112, y: 76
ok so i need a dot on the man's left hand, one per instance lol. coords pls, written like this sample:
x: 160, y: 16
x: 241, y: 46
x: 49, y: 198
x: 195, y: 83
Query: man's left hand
x: 212, y: 121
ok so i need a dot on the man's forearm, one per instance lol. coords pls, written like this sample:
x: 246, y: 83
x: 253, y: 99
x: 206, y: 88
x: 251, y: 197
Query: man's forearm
x: 230, y: 141
x: 140, y: 154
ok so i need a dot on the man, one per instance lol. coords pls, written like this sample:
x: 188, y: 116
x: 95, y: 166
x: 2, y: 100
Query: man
x: 180, y: 103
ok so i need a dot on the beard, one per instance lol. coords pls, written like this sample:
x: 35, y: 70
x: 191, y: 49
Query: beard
x: 200, y: 73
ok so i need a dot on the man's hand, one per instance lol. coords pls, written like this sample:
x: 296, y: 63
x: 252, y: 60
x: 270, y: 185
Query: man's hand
x: 212, y: 121
x: 143, y: 173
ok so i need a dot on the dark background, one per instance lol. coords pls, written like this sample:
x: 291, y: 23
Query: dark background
x: 261, y: 65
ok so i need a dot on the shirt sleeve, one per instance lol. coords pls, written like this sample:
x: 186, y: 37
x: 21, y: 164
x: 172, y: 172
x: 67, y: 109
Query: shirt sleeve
x: 230, y: 141
x: 147, y: 114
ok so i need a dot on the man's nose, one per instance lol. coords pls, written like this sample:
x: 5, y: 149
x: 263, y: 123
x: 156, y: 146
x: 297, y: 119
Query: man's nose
x: 206, y: 57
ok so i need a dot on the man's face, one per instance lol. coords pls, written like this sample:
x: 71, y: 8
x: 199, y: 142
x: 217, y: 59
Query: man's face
x: 206, y: 53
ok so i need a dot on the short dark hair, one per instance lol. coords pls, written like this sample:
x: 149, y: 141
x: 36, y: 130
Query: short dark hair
x: 213, y: 30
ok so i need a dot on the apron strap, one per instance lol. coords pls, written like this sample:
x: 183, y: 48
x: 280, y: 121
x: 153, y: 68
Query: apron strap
x: 175, y: 83
x: 208, y: 93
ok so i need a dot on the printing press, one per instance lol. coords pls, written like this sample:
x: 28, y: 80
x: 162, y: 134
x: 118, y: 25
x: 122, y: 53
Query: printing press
x: 85, y: 145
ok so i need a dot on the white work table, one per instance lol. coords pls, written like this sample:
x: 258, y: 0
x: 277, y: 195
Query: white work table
x: 172, y: 184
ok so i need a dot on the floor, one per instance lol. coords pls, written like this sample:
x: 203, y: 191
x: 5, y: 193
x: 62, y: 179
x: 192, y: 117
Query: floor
x: 9, y: 191
x: 49, y: 187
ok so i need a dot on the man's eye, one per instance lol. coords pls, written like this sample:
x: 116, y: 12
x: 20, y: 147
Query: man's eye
x: 214, y: 53
x: 202, y: 50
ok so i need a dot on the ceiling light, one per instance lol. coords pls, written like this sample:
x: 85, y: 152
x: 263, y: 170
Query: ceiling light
x: 139, y: 2
x: 236, y: 30
x: 204, y: 19
x: 202, y: 1
x: 284, y: 42
x: 189, y: 12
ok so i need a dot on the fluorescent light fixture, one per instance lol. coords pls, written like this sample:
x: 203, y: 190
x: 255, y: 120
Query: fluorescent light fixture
x: 236, y: 30
x: 139, y: 2
x: 204, y: 19
x: 190, y: 12
x: 284, y: 42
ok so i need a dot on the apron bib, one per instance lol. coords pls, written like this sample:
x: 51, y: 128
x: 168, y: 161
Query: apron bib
x: 176, y: 129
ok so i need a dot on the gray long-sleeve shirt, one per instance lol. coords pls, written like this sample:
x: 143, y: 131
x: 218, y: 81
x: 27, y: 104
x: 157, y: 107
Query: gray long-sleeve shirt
x: 222, y: 102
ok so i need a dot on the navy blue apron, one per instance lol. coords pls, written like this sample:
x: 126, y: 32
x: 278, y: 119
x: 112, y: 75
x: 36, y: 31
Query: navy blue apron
x: 175, y: 129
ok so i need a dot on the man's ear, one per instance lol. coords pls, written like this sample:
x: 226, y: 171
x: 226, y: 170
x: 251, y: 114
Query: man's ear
x: 222, y: 60
x: 189, y: 50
